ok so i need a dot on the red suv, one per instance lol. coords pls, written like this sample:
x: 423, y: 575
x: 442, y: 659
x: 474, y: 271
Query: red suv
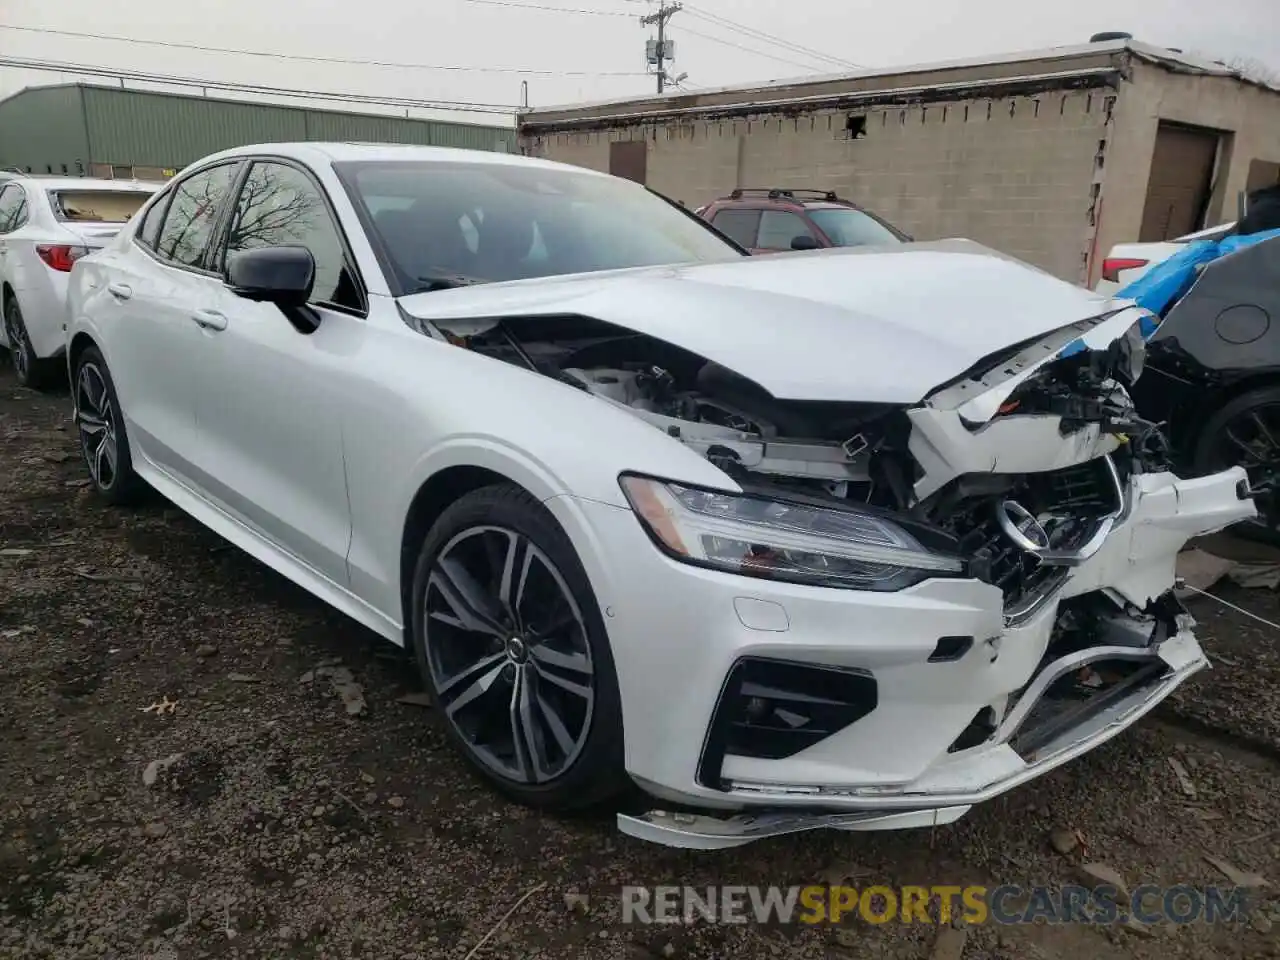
x: 771, y: 221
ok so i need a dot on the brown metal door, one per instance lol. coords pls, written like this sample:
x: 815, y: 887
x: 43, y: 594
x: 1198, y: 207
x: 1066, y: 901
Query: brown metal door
x: 1262, y: 173
x: 1180, y: 182
x: 627, y: 158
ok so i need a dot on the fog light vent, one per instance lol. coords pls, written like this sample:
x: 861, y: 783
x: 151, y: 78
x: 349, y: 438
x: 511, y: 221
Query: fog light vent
x: 773, y: 709
x: 980, y: 729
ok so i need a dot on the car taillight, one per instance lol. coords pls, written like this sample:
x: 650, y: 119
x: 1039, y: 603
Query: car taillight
x: 1112, y: 266
x: 59, y: 256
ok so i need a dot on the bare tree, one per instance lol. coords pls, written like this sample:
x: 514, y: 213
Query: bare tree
x: 191, y: 215
x: 271, y: 210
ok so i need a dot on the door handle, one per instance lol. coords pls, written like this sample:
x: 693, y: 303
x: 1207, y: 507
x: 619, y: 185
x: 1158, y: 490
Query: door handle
x: 210, y: 319
x: 121, y: 291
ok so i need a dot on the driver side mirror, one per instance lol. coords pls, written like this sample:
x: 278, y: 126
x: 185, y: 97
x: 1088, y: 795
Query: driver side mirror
x: 280, y: 275
x: 804, y: 242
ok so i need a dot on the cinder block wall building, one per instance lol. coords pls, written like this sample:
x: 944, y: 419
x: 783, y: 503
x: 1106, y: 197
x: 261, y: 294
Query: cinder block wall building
x: 1050, y: 156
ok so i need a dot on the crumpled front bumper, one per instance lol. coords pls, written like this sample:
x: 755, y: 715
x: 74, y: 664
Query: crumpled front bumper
x: 676, y: 631
x: 951, y: 787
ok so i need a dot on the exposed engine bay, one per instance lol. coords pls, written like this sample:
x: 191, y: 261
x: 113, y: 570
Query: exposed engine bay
x: 1066, y: 427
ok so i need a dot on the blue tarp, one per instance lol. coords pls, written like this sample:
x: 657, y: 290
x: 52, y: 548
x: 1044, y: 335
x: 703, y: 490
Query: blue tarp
x: 1166, y: 282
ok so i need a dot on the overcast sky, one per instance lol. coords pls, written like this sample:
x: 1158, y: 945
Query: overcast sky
x: 583, y: 49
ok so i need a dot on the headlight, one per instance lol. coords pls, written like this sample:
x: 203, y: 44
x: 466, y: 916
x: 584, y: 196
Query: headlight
x: 781, y: 540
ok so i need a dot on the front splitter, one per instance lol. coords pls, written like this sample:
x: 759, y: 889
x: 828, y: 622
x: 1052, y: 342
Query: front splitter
x: 691, y: 831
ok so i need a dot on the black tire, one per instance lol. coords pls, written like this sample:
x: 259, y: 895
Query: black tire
x: 30, y: 370
x: 1207, y: 458
x: 120, y: 485
x: 595, y: 773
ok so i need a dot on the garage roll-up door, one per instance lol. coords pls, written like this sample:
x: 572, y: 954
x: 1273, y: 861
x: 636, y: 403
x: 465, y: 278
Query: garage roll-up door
x: 1180, y: 182
x: 627, y: 158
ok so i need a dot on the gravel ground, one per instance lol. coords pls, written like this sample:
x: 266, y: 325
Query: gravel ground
x: 257, y: 817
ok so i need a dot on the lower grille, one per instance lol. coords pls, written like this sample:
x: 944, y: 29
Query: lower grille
x: 773, y: 709
x: 1069, y: 504
x: 1069, y: 702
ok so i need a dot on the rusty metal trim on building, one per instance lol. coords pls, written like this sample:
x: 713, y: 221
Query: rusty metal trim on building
x: 900, y: 96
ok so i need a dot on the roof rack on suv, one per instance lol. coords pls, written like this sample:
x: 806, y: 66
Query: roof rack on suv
x: 788, y: 193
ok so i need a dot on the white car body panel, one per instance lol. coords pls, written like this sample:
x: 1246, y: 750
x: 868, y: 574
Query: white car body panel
x: 795, y: 324
x: 308, y: 451
x: 41, y: 292
x: 1151, y: 254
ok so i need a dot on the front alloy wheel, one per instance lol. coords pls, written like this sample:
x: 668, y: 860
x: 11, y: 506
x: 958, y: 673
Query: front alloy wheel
x: 1245, y: 432
x: 104, y: 442
x: 507, y: 649
x: 96, y: 421
x: 512, y: 648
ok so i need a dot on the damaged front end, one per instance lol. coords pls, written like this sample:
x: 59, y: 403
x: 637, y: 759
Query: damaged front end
x: 1031, y: 471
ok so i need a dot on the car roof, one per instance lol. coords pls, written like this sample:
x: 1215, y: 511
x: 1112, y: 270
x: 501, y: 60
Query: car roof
x: 315, y: 152
x: 88, y: 183
x: 784, y: 203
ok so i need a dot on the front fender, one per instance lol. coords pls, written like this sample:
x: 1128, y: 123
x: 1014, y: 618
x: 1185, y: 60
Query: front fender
x: 435, y: 407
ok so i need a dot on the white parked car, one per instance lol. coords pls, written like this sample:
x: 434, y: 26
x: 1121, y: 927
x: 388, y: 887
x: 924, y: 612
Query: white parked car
x: 46, y: 224
x: 843, y: 539
x: 1128, y: 261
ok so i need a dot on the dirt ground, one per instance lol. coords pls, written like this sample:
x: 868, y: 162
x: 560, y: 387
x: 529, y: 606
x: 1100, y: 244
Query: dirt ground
x: 287, y: 827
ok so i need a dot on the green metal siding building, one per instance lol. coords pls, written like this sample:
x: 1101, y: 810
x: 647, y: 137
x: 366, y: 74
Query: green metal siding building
x: 84, y: 129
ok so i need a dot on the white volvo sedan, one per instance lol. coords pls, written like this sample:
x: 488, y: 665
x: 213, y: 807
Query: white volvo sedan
x: 850, y: 539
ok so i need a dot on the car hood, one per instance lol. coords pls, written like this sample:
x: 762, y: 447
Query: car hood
x: 883, y: 325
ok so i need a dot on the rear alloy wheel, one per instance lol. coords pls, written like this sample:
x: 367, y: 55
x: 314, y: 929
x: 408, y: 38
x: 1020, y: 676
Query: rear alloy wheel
x: 1246, y: 433
x: 100, y: 425
x: 31, y: 370
x: 513, y: 650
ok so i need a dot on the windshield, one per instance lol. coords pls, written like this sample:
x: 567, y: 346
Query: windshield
x: 97, y: 206
x: 847, y: 227
x: 455, y: 222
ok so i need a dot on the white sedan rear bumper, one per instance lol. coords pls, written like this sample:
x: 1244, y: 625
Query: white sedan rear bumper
x: 677, y: 631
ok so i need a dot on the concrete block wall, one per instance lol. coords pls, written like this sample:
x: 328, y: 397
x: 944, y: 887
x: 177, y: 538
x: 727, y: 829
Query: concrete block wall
x: 1014, y: 173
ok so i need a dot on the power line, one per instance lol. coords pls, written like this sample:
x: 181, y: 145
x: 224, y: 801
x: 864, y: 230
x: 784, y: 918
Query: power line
x: 712, y: 18
x: 539, y: 6
x: 738, y: 46
x: 79, y: 69
x: 741, y: 28
x: 317, y: 59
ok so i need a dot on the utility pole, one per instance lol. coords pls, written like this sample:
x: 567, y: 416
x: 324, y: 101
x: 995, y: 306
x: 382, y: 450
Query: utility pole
x: 662, y: 50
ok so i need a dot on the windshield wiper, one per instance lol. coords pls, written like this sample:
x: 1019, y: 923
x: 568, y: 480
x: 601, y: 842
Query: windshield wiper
x: 445, y: 281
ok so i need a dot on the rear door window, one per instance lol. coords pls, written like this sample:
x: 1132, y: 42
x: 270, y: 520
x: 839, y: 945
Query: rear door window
x: 193, y: 214
x: 779, y: 227
x: 150, y: 229
x: 738, y: 225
